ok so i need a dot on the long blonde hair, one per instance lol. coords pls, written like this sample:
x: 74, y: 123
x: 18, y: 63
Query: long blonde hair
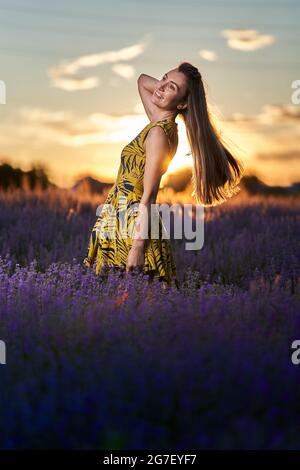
x: 216, y: 172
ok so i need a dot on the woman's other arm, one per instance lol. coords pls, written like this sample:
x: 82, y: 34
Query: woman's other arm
x: 146, y: 87
x: 157, y: 151
x: 157, y: 160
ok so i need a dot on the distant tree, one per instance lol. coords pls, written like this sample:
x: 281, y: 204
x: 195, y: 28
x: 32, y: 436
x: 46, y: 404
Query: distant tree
x: 12, y: 178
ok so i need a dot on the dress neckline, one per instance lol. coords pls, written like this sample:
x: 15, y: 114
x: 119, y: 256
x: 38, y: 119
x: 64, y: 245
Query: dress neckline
x: 161, y: 120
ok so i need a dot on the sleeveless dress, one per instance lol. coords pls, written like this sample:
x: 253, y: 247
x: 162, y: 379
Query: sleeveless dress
x: 107, y: 251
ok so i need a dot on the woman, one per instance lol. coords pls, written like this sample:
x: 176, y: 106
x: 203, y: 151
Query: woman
x: 144, y: 160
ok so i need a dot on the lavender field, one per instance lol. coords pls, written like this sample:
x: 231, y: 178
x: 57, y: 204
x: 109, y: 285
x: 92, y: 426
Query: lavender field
x: 117, y: 364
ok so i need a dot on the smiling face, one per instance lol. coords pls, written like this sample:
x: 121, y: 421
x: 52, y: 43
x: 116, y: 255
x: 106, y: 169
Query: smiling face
x: 170, y: 91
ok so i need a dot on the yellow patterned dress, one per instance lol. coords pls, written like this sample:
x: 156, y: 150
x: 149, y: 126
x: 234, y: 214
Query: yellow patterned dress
x: 108, y: 247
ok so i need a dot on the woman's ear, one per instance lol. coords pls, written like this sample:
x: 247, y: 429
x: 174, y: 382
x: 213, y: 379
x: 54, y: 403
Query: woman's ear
x: 182, y: 106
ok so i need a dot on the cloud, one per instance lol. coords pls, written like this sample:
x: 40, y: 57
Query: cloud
x: 247, y: 39
x: 278, y: 113
x: 266, y: 141
x: 43, y: 115
x: 280, y: 156
x: 274, y: 127
x: 238, y: 117
x: 42, y: 126
x: 208, y: 55
x: 62, y: 75
x: 76, y: 84
x: 124, y: 70
x: 270, y: 114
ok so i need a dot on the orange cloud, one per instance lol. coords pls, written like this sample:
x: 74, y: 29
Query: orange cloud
x: 62, y: 75
x: 247, y: 39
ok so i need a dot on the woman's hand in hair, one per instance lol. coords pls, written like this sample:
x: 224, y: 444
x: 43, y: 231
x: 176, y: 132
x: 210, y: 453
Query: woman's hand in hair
x: 146, y: 87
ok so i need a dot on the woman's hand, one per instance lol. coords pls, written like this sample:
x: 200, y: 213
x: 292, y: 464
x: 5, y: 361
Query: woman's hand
x: 147, y: 82
x: 146, y: 87
x: 135, y: 258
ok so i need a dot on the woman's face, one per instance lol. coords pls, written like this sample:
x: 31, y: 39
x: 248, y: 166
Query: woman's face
x: 170, y: 90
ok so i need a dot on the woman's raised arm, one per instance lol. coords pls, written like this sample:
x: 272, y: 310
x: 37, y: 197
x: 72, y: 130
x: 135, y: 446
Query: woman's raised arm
x: 146, y: 87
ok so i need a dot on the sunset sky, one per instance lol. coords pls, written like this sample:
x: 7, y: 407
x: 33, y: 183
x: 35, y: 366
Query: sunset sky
x: 70, y: 70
